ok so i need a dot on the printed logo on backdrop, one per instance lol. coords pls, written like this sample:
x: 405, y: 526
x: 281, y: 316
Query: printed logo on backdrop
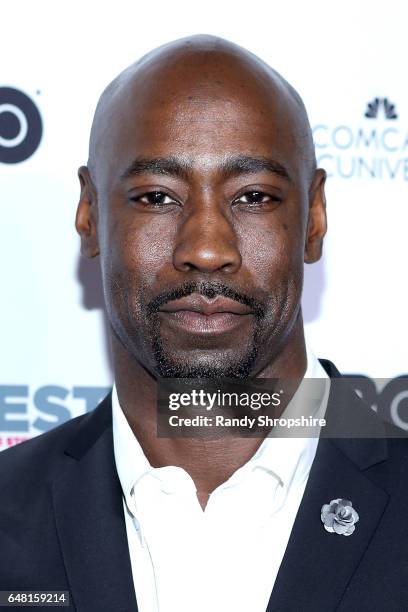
x: 20, y: 126
x: 26, y: 412
x: 374, y: 146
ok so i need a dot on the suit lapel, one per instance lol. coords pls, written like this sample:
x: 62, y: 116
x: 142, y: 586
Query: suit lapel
x: 317, y: 565
x: 90, y: 522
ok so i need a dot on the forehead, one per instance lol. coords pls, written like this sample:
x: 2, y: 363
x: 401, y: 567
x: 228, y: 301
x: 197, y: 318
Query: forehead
x: 204, y: 117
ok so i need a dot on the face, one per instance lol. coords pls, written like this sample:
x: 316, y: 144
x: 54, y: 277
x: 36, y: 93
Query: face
x: 203, y: 211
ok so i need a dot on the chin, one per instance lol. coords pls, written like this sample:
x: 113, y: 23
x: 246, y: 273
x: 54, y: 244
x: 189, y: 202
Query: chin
x: 197, y: 365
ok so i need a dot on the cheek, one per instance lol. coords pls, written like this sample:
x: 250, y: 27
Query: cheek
x: 272, y: 253
x: 139, y: 246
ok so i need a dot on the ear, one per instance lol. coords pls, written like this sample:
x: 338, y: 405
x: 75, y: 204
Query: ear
x: 317, y: 220
x: 87, y: 214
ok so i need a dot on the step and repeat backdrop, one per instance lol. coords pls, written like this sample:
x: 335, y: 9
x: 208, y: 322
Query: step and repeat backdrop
x: 348, y: 63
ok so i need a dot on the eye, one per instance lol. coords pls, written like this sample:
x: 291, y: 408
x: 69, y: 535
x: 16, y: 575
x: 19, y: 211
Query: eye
x: 254, y: 199
x: 155, y: 199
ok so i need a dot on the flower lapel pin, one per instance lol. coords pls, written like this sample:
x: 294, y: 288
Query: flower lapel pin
x: 339, y: 517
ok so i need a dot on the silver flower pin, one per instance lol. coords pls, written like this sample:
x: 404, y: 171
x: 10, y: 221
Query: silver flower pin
x: 339, y: 517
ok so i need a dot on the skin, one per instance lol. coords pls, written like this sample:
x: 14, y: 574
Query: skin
x: 197, y: 214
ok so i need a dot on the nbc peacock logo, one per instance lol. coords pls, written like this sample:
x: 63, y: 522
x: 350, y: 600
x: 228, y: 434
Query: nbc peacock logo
x: 377, y: 105
x: 374, y: 146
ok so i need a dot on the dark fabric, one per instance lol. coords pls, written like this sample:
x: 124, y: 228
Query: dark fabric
x: 62, y: 525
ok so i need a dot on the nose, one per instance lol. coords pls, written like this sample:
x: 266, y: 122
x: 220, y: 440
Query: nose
x: 206, y: 242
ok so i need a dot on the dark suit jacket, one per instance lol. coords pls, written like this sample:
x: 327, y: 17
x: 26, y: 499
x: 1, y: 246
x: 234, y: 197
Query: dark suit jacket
x: 62, y: 525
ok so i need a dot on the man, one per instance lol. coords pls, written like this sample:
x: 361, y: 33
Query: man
x: 202, y: 198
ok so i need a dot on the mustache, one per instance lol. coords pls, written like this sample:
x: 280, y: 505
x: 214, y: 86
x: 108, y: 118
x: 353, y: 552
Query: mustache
x: 208, y: 289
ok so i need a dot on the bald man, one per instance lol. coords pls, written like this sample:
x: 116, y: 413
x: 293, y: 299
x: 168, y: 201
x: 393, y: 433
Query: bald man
x: 202, y: 199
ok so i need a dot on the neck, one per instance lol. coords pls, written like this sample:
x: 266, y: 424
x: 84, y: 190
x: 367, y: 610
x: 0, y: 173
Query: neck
x: 209, y: 462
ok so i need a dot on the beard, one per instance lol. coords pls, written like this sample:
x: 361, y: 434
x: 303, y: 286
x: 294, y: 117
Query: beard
x: 203, y: 365
x: 214, y: 367
x: 135, y: 320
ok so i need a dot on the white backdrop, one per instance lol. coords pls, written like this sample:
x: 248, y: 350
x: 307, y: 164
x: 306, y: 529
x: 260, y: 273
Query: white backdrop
x: 340, y: 57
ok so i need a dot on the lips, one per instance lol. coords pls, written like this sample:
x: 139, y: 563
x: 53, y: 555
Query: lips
x: 200, y: 304
x: 200, y: 315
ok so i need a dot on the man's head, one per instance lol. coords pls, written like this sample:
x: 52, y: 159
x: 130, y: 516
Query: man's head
x: 202, y: 197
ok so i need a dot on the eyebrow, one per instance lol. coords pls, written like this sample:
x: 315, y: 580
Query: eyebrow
x: 230, y: 167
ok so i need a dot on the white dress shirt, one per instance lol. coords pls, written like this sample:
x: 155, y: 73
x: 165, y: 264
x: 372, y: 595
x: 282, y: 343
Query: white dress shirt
x: 225, y: 557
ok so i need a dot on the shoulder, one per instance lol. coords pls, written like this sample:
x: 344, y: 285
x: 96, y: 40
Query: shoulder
x: 395, y: 469
x: 40, y: 455
x: 350, y: 416
x: 40, y: 458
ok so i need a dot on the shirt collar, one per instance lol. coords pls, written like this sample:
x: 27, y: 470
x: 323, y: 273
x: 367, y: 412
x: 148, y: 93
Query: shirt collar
x: 131, y: 462
x: 280, y: 457
x: 286, y: 457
